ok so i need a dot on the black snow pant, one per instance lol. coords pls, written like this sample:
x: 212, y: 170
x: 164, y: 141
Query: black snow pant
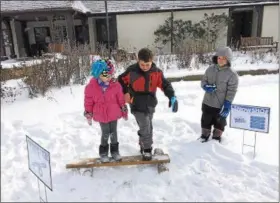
x: 210, y: 117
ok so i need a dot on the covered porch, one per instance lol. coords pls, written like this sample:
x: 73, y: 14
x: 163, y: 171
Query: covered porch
x: 31, y: 34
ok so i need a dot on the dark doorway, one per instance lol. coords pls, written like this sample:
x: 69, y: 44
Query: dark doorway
x: 25, y: 38
x: 42, y: 39
x: 82, y: 34
x: 241, y: 25
x: 101, y: 31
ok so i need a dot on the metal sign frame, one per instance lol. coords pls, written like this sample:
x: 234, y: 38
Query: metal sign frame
x: 255, y: 132
x: 38, y: 178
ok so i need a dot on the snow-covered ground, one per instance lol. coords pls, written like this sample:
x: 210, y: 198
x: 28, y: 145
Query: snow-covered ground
x: 16, y: 63
x: 240, y: 62
x: 198, y: 171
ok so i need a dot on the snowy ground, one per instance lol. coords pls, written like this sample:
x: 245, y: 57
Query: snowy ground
x: 240, y: 62
x: 198, y: 172
x: 249, y: 61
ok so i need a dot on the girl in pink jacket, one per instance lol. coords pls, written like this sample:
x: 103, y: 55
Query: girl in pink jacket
x: 104, y: 103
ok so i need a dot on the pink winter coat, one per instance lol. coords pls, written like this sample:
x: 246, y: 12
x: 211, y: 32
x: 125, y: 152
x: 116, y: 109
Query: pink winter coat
x: 105, y: 106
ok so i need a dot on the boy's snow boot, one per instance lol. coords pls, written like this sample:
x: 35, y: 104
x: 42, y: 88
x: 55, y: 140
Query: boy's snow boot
x: 114, y: 149
x: 217, y: 134
x: 103, y: 153
x: 147, y: 154
x: 140, y: 144
x: 205, y: 134
x: 141, y: 150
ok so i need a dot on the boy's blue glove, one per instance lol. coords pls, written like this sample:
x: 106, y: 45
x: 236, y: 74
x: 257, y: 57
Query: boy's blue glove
x: 226, y: 109
x: 209, y: 88
x: 173, y: 103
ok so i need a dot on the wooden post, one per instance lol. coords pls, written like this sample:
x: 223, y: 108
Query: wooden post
x: 108, y: 29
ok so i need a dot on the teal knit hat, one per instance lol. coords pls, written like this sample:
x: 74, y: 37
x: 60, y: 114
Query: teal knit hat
x: 98, y: 67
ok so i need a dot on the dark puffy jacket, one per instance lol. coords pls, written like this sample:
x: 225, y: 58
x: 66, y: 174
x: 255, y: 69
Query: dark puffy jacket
x: 142, y: 87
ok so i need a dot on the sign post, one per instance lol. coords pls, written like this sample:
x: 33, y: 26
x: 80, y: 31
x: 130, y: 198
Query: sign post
x: 251, y: 118
x: 39, y: 164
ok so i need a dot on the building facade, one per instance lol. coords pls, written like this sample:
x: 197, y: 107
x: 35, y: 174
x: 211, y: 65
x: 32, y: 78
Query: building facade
x: 28, y: 27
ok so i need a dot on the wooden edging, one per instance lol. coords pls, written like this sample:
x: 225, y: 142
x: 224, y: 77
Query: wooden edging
x: 240, y: 73
x: 126, y: 161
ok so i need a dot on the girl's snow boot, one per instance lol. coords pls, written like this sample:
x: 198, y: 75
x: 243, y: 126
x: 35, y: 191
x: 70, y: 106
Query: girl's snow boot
x: 103, y: 153
x: 114, y: 149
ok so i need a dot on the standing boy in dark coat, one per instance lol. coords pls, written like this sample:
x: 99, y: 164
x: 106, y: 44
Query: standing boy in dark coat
x: 220, y: 83
x: 140, y: 82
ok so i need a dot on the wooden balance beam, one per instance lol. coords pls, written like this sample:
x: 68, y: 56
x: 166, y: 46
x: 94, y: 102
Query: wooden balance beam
x: 159, y: 158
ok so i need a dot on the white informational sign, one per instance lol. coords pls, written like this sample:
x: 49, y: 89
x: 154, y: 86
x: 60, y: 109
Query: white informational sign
x: 253, y: 118
x: 39, y: 162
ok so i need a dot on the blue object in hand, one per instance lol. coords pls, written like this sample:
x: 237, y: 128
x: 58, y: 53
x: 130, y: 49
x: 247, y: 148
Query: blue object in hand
x: 209, y: 88
x: 226, y: 109
x: 173, y: 103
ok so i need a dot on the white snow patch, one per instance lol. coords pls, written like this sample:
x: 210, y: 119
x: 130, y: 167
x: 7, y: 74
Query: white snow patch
x: 197, y: 172
x: 78, y: 5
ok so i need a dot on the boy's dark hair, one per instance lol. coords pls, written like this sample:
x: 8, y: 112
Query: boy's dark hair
x: 145, y: 55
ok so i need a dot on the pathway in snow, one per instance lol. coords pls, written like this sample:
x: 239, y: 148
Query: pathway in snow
x: 198, y: 172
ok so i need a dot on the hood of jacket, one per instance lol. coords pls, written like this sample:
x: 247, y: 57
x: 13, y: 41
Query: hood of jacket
x: 223, y: 51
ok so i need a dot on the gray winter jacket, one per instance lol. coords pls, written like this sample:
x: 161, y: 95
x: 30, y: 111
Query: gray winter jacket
x: 225, y: 79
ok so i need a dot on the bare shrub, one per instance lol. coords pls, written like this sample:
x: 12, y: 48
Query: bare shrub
x: 123, y: 58
x: 58, y: 70
x: 255, y: 56
x: 9, y: 94
x: 164, y: 62
x: 184, y: 57
x: 102, y: 50
x: 193, y: 50
x: 39, y: 78
x: 261, y: 55
x: 70, y: 66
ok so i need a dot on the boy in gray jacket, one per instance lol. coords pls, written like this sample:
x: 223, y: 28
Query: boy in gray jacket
x: 220, y: 84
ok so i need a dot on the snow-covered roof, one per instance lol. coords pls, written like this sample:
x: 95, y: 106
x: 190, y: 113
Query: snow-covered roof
x: 130, y: 6
x: 120, y: 6
x: 12, y: 6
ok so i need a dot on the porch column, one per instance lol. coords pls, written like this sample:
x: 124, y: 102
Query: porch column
x: 7, y: 44
x: 50, y: 21
x: 70, y: 29
x: 255, y: 20
x: 14, y: 36
x: 92, y: 33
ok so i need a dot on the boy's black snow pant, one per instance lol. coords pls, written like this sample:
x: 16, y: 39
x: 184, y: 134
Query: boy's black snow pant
x: 210, y: 116
x: 145, y: 132
x: 109, y: 130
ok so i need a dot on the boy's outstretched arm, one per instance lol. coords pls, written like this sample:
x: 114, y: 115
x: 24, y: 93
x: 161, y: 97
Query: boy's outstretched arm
x: 166, y: 86
x: 169, y: 92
